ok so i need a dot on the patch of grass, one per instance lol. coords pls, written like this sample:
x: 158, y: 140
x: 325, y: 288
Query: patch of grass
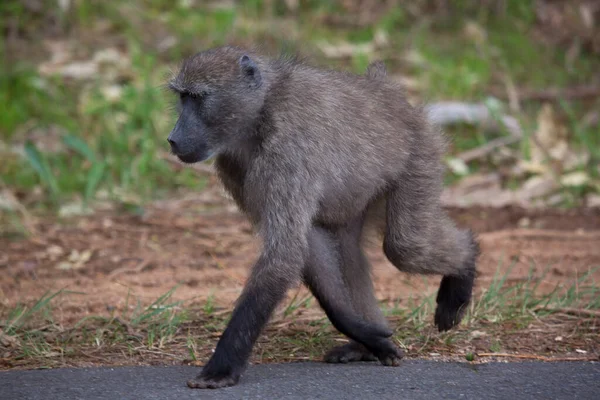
x: 209, y: 306
x: 28, y: 99
x: 108, y: 144
x: 161, y: 320
x: 496, y: 347
x: 36, y: 334
x: 297, y: 303
x: 111, y: 146
x: 19, y: 317
x: 502, y: 318
x: 454, y: 69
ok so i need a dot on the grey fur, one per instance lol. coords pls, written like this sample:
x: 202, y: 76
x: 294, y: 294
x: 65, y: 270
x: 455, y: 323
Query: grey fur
x: 311, y: 155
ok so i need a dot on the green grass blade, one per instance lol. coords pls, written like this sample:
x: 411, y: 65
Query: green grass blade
x: 78, y: 145
x: 40, y: 165
x: 23, y: 316
x: 94, y: 178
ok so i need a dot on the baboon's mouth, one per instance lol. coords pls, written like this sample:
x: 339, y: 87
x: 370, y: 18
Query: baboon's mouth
x: 194, y: 157
x: 189, y: 158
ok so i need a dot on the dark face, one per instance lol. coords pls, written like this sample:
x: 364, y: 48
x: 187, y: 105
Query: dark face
x: 189, y: 138
x: 219, y: 92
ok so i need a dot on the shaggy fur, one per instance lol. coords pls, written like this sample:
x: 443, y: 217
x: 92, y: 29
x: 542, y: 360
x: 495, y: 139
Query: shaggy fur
x: 311, y: 156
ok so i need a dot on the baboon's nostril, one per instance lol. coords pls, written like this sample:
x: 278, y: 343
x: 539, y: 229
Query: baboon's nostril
x: 173, y: 145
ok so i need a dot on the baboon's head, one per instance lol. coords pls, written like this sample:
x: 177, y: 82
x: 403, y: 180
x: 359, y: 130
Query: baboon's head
x: 221, y: 94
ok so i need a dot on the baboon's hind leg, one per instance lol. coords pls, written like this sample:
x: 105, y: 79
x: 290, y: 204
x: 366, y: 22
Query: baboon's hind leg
x: 420, y: 238
x: 324, y: 278
x: 355, y: 271
x: 454, y: 294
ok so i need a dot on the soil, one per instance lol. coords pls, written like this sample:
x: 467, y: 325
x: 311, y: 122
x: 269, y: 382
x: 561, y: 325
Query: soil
x: 208, y: 250
x: 205, y: 246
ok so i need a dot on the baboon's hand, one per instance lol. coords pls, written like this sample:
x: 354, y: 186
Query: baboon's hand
x: 211, y: 380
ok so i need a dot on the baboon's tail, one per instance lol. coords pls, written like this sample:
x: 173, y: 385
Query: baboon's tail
x: 455, y: 291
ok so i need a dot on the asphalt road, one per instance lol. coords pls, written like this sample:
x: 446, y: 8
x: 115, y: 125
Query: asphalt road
x: 414, y: 379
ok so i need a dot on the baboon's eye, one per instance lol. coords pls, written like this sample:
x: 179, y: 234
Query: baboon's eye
x: 192, y: 95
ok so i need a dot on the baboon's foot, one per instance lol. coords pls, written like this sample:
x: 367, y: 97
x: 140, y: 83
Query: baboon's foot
x: 349, y: 352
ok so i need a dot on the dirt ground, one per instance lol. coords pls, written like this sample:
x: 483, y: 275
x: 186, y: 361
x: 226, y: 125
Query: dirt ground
x: 204, y: 245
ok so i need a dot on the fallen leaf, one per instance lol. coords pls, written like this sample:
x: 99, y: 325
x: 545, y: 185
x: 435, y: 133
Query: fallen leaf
x: 76, y: 260
x: 381, y: 38
x: 7, y: 341
x: 549, y: 144
x: 112, y: 93
x: 345, y: 49
x: 478, y: 334
x: 554, y: 200
x: 64, y: 5
x: 73, y: 209
x: 475, y: 32
x: 537, y: 186
x: 166, y: 43
x: 575, y: 159
x: 416, y: 58
x: 60, y: 64
x: 524, y: 222
x: 593, y: 200
x: 54, y: 252
x: 579, y: 178
x: 85, y: 256
x: 292, y: 5
x: 550, y: 136
x: 78, y: 70
x: 65, y: 265
x: 458, y: 166
x: 7, y: 201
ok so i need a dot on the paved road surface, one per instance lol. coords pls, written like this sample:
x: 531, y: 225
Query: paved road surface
x: 415, y: 379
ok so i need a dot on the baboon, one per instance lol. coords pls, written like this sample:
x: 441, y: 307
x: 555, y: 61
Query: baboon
x: 312, y: 156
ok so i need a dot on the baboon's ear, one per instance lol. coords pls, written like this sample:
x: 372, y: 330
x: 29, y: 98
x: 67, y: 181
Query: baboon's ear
x: 250, y: 71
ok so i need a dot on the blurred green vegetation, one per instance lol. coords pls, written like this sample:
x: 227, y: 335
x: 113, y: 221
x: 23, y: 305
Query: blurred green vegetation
x: 103, y: 137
